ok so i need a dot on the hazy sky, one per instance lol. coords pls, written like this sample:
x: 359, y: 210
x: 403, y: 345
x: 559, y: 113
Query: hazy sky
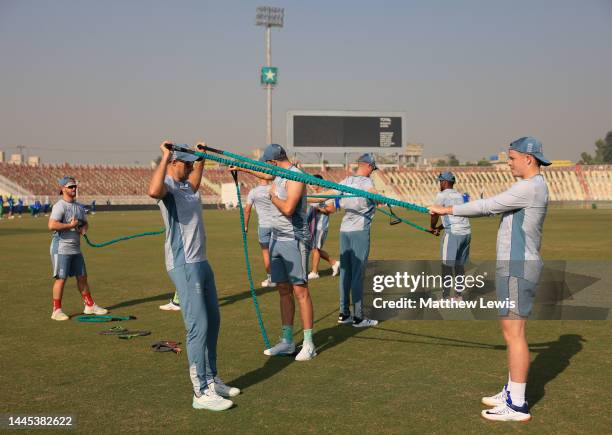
x: 92, y: 78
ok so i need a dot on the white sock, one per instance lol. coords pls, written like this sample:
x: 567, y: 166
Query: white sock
x: 517, y: 393
x: 269, y: 277
x: 509, y: 380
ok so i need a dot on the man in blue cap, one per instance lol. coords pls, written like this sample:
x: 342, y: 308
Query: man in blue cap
x: 175, y: 184
x: 523, y: 207
x: 289, y: 250
x: 68, y: 222
x: 455, y: 245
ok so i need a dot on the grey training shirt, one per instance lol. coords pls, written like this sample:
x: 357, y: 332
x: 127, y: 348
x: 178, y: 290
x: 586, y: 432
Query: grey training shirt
x: 260, y: 198
x: 294, y: 227
x: 358, y: 212
x: 453, y: 224
x: 67, y: 242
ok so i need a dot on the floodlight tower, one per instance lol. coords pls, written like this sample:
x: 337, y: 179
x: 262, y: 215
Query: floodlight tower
x: 269, y: 17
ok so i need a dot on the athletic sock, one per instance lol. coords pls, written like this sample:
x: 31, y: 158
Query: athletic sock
x: 269, y: 278
x: 57, y: 304
x: 307, y: 335
x: 517, y: 393
x: 288, y: 333
x: 175, y: 299
x: 87, y: 298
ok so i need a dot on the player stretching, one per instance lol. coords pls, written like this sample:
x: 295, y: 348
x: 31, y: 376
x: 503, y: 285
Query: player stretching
x: 289, y: 248
x: 518, y: 265
x: 68, y: 222
x: 455, y: 245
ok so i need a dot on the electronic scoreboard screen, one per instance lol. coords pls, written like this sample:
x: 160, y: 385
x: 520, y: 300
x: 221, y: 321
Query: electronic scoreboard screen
x: 345, y: 131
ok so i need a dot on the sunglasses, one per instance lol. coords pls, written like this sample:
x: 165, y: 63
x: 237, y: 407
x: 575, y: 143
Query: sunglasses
x: 73, y: 186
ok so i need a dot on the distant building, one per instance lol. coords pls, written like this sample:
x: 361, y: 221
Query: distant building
x: 413, y: 154
x: 1, y: 156
x: 562, y: 163
x: 16, y: 159
x: 34, y: 161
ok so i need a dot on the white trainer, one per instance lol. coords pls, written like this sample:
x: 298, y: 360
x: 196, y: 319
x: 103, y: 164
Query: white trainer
x: 507, y: 412
x: 59, y: 315
x: 336, y: 268
x: 307, y: 353
x: 498, y: 399
x: 364, y: 323
x: 95, y: 309
x: 170, y: 306
x: 282, y: 348
x: 268, y: 283
x: 225, y: 390
x: 211, y: 401
x: 313, y: 275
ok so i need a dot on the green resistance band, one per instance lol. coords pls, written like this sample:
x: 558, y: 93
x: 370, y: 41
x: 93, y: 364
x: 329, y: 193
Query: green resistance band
x: 332, y: 196
x: 406, y: 221
x: 254, y: 165
x: 119, y: 239
x: 245, y: 245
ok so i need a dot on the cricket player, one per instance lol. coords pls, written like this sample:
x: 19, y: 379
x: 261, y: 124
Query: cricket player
x: 259, y: 197
x: 523, y: 208
x: 68, y: 222
x: 455, y: 245
x: 321, y: 211
x: 175, y: 185
x: 289, y: 251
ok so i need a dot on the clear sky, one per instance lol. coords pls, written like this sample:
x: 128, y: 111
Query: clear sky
x: 107, y: 81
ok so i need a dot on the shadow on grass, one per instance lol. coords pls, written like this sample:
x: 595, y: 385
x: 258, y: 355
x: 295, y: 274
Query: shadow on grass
x: 553, y: 358
x: 162, y: 297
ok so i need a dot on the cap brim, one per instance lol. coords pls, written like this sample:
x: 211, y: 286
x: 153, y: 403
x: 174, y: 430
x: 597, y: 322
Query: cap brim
x: 185, y: 157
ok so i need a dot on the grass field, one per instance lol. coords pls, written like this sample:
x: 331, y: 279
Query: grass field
x: 401, y: 377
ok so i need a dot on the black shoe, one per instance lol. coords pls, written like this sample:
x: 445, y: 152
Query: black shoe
x: 343, y: 319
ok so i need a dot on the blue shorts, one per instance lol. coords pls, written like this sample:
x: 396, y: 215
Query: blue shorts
x: 65, y: 265
x: 319, y: 239
x: 264, y: 235
x: 455, y: 249
x: 289, y: 261
x: 517, y: 291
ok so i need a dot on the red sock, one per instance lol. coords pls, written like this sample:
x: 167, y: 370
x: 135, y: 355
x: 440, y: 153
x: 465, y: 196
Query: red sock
x: 57, y: 304
x: 87, y: 298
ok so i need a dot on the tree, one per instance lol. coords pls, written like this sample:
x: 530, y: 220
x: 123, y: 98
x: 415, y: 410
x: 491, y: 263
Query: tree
x: 483, y: 162
x: 452, y: 160
x: 603, y: 152
x: 441, y: 163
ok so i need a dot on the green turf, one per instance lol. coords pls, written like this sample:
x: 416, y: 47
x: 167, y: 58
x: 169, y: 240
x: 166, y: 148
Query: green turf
x: 402, y: 377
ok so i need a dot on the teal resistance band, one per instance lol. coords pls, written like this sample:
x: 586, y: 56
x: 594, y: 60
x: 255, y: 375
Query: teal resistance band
x: 245, y: 245
x: 406, y: 221
x: 254, y: 165
x: 333, y: 196
x: 119, y: 239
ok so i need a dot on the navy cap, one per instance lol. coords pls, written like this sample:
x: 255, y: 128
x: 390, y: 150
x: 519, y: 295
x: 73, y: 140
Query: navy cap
x: 274, y: 152
x: 530, y: 145
x: 369, y: 159
x: 183, y: 156
x: 66, y: 179
x: 446, y: 176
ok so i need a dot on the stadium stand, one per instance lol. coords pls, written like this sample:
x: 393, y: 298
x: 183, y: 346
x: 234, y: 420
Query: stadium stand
x: 128, y: 184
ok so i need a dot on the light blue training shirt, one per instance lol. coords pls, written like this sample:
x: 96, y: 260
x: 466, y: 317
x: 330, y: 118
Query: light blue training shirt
x: 453, y: 224
x: 358, y: 212
x: 523, y: 207
x: 260, y: 197
x: 181, y: 210
x: 294, y: 227
x: 67, y: 242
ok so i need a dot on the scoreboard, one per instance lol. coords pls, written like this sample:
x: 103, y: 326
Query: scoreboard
x: 345, y: 131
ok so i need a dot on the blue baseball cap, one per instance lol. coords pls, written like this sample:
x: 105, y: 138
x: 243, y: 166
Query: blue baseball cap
x: 446, y: 176
x: 274, y: 152
x: 369, y: 159
x: 183, y: 156
x: 65, y: 180
x: 530, y: 145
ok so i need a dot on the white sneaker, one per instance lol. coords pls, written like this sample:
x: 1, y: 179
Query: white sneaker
x: 313, y: 275
x: 507, y: 412
x: 95, y: 309
x: 268, y: 283
x: 225, y: 390
x: 364, y: 323
x: 307, y: 353
x: 336, y: 268
x: 170, y: 306
x: 211, y: 401
x: 59, y: 315
x: 498, y: 399
x: 282, y: 348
